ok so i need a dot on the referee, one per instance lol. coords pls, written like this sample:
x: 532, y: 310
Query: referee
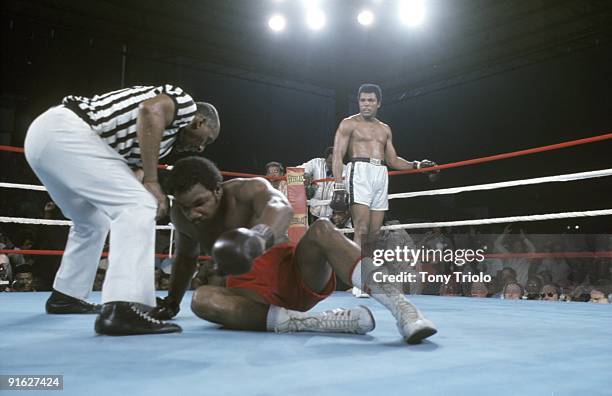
x: 82, y: 151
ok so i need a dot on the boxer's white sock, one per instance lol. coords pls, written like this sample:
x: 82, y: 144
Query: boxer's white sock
x: 356, y: 280
x: 275, y: 316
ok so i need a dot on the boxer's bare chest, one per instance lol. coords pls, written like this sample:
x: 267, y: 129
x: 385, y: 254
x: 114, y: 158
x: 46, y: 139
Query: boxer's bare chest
x: 233, y: 215
x: 368, y: 139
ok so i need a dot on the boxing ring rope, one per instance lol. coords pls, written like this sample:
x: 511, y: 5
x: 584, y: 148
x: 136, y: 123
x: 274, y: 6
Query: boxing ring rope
x: 453, y: 190
x: 491, y: 186
x: 23, y: 186
x: 412, y: 226
x: 24, y: 220
x: 443, y: 191
x: 494, y: 220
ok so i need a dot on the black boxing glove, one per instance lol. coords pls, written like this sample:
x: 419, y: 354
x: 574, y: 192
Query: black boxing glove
x: 433, y: 175
x: 235, y: 250
x: 340, y: 198
x: 166, y: 308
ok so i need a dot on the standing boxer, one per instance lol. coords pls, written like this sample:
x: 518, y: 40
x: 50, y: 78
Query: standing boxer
x: 369, y: 144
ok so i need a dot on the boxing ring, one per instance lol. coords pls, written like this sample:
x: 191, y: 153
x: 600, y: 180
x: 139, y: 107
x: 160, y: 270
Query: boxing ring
x: 484, y: 346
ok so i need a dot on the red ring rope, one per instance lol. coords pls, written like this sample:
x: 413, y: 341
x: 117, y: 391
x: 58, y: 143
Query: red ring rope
x: 422, y: 170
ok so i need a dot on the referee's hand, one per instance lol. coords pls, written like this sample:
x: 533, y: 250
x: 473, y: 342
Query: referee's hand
x: 162, y: 201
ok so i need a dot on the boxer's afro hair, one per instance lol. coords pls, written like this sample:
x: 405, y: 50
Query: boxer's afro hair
x: 190, y: 171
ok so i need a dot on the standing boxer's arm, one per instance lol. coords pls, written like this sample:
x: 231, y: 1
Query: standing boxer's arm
x: 341, y: 142
x: 392, y: 158
x: 270, y: 207
x: 153, y: 116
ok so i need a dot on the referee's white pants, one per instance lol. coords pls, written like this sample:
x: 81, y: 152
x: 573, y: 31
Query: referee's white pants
x: 94, y: 187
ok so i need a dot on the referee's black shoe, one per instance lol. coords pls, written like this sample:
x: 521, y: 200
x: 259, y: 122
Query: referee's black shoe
x: 123, y: 318
x: 60, y: 303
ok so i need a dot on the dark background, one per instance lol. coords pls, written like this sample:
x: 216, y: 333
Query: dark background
x: 477, y: 78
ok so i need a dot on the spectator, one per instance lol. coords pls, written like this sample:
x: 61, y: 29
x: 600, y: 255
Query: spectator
x: 599, y: 297
x: 520, y: 245
x: 436, y: 239
x: 581, y: 294
x: 557, y: 267
x: 24, y: 241
x: 533, y: 288
x: 276, y: 169
x: 320, y: 168
x: 341, y: 219
x: 6, y: 272
x: 23, y: 278
x: 507, y: 275
x: 512, y: 291
x: 479, y: 289
x: 550, y: 293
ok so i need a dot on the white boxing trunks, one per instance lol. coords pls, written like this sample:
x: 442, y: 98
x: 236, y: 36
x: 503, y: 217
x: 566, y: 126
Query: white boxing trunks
x: 368, y: 183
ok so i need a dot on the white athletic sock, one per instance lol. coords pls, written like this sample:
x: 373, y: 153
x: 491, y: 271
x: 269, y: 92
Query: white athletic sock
x: 356, y: 276
x: 275, y: 316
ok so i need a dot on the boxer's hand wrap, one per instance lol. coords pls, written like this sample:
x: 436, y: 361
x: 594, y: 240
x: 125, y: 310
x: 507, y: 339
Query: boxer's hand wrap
x: 426, y: 164
x: 340, y: 198
x: 235, y: 250
x: 266, y: 233
x: 433, y: 175
x: 165, y: 309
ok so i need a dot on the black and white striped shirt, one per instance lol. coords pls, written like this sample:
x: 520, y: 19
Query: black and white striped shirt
x: 113, y: 116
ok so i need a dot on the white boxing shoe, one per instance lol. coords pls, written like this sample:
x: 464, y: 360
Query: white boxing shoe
x: 411, y: 323
x: 355, y: 321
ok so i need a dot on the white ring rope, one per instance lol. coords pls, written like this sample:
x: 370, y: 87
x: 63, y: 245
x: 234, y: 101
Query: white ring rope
x: 23, y: 186
x: 491, y: 186
x: 457, y: 223
x: 23, y: 220
x: 453, y: 190
x: 495, y: 220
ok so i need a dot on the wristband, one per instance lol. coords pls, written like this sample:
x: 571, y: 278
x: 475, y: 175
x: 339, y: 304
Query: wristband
x: 264, y: 231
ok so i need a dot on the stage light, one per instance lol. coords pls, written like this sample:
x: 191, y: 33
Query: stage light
x: 365, y: 17
x: 315, y: 19
x: 277, y: 22
x: 412, y: 12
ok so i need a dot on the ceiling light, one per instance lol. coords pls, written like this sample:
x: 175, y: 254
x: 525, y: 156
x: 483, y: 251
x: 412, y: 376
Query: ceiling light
x: 277, y: 22
x: 365, y: 17
x: 412, y: 12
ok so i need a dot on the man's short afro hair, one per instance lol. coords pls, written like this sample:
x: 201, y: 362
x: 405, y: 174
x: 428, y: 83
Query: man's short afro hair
x: 190, y: 171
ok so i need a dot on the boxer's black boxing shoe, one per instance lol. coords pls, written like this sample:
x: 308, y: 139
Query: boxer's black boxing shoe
x: 60, y: 303
x: 123, y: 318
